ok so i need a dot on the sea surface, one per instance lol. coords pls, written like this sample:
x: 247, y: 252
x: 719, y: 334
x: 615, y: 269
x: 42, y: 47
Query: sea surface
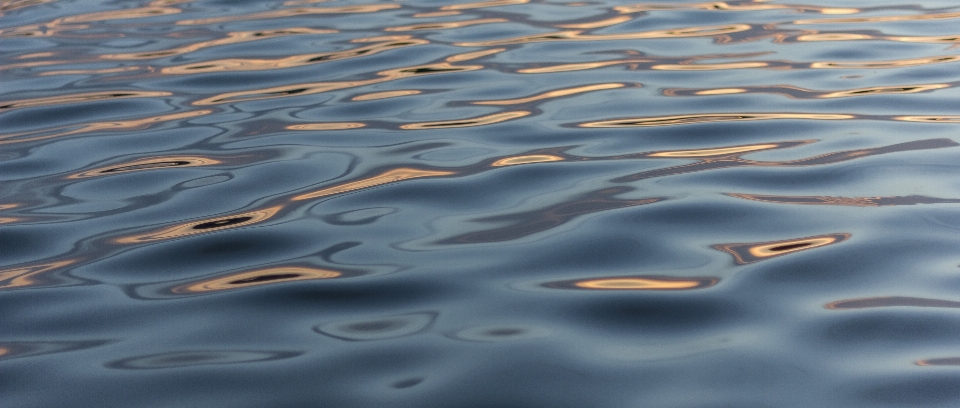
x: 496, y: 204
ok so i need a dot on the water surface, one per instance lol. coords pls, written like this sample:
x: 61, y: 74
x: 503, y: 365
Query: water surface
x: 509, y: 203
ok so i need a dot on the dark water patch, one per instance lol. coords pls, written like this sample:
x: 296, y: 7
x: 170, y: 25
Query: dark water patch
x: 598, y: 250
x: 657, y: 316
x: 10, y: 350
x: 928, y: 390
x: 379, y: 328
x: 359, y: 217
x: 947, y: 361
x: 891, y: 301
x: 498, y: 333
x: 889, y: 330
x: 407, y: 383
x: 540, y: 220
x: 351, y: 295
x: 198, y: 358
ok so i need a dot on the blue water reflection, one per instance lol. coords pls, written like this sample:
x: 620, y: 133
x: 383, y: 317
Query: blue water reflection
x: 503, y: 203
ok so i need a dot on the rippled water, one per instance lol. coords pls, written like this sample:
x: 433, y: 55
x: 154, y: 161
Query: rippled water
x: 507, y: 203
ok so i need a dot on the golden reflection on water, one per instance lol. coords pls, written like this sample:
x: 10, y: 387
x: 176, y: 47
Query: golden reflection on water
x: 523, y: 220
x: 447, y: 25
x: 576, y: 35
x: 709, y: 117
x: 203, y: 226
x: 283, y: 91
x: 554, y: 94
x: 80, y: 98
x: 232, y: 38
x: 437, y: 14
x: 930, y: 119
x: 483, y: 4
x: 730, y: 160
x: 533, y: 158
x: 580, y: 66
x: 935, y: 39
x: 845, y: 201
x: 10, y: 5
x: 664, y: 283
x: 250, y: 64
x: 737, y: 6
x: 320, y: 87
x: 147, y: 164
x: 891, y: 301
x: 944, y: 39
x: 467, y: 56
x: 596, y: 24
x: 800, y: 93
x: 34, y: 64
x: 55, y: 27
x: 390, y: 176
x: 123, y: 125
x: 88, y: 71
x: 885, y: 64
x: 36, y: 55
x: 124, y: 14
x: 714, y: 152
x: 834, y: 37
x: 460, y: 123
x: 327, y: 126
x: 298, y: 11
x: 253, y: 217
x: 32, y: 275
x: 10, y: 220
x: 302, y: 2
x: 385, y: 95
x: 257, y: 277
x: 595, y: 201
x: 709, y: 67
x: 691, y: 65
x: 880, y: 19
x: 747, y: 253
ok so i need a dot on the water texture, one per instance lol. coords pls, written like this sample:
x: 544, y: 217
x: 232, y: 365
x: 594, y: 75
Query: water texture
x: 507, y: 203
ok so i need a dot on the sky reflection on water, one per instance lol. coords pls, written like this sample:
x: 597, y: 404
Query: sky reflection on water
x: 510, y: 203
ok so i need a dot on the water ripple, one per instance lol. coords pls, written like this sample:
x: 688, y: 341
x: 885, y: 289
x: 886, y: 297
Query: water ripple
x: 489, y: 203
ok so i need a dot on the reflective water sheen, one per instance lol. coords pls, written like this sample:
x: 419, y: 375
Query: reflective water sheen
x: 505, y: 203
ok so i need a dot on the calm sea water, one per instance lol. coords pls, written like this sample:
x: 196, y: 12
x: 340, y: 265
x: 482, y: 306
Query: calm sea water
x: 507, y: 203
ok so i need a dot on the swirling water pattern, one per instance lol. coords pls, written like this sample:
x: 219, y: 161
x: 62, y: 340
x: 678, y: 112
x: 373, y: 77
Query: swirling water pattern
x: 505, y: 203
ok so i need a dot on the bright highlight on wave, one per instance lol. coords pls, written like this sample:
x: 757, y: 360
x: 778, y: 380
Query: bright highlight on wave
x: 390, y: 176
x: 747, y: 253
x: 643, y: 282
x: 460, y: 123
x: 203, y: 226
x: 257, y: 277
x: 710, y: 117
x: 148, y: 164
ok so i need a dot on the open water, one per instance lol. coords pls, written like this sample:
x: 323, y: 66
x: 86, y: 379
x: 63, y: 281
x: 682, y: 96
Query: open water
x: 507, y: 204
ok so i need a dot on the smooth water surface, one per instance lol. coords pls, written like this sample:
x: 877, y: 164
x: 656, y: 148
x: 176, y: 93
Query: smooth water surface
x: 507, y: 203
